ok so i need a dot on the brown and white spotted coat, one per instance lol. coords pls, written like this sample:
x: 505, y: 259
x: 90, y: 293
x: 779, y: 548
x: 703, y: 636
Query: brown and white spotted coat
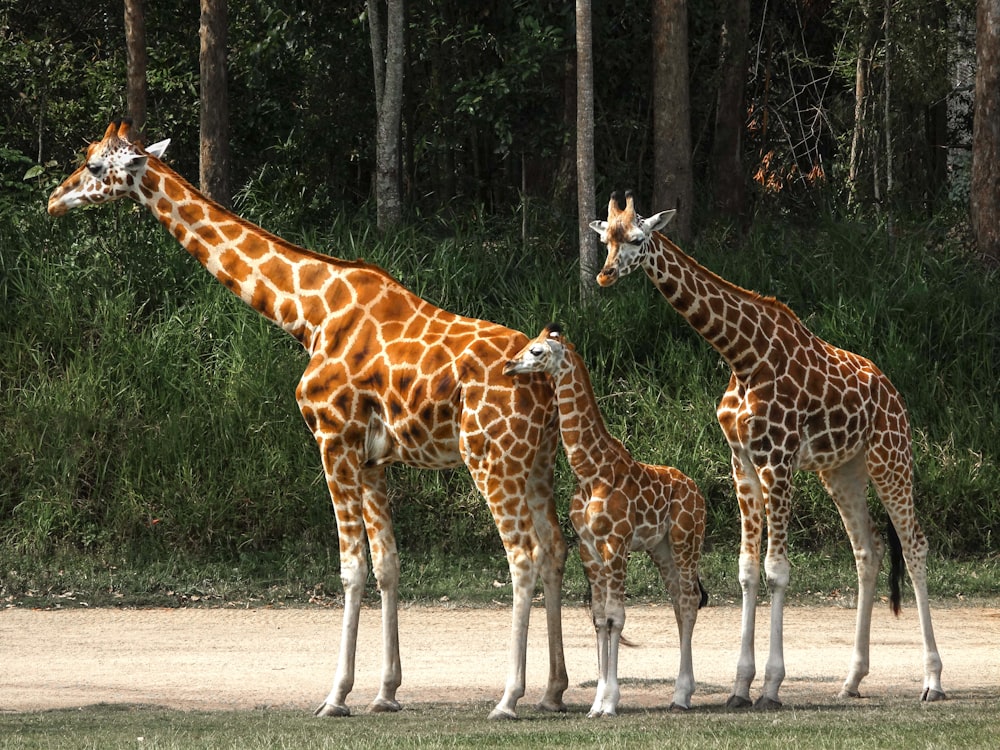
x: 391, y: 378
x: 794, y: 402
x: 621, y: 506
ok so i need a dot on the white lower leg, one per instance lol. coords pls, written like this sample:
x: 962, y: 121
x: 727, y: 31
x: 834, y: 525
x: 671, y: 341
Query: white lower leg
x: 746, y: 668
x: 392, y: 673
x: 523, y: 580
x: 353, y: 575
x: 777, y: 570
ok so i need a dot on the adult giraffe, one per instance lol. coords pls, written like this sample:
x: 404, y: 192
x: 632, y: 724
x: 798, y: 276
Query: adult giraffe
x: 391, y: 378
x: 621, y: 506
x: 793, y: 402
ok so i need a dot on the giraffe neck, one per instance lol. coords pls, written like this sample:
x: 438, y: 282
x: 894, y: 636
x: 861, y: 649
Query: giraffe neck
x: 284, y: 283
x: 741, y: 325
x: 588, y: 444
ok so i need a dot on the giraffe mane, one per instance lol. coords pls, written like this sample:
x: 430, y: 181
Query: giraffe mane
x: 267, y: 235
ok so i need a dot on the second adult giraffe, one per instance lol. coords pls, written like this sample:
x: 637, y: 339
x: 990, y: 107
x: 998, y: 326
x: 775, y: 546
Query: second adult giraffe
x: 621, y: 506
x: 794, y: 402
x: 390, y: 378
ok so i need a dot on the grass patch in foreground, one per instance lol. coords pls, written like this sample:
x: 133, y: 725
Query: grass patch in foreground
x: 965, y: 722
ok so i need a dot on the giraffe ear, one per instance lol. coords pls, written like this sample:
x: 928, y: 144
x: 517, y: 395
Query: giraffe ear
x: 656, y: 222
x: 599, y: 226
x: 158, y: 148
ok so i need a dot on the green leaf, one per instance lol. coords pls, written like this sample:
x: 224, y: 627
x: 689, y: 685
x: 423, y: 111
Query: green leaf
x: 35, y: 171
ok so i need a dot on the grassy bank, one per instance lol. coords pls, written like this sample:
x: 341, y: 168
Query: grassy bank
x: 147, y: 417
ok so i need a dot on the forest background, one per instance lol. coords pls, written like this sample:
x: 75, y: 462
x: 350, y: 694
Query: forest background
x: 147, y: 417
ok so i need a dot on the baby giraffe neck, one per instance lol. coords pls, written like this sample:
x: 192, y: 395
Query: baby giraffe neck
x: 586, y: 439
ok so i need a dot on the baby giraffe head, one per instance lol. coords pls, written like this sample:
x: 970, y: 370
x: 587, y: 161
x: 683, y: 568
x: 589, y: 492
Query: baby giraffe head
x: 544, y: 353
x: 626, y: 235
x: 112, y: 170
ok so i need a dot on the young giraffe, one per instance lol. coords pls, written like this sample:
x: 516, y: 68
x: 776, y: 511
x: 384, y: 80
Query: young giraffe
x: 621, y: 506
x: 793, y: 402
x: 391, y: 378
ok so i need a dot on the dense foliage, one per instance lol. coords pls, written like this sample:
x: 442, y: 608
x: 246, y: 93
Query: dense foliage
x: 144, y: 407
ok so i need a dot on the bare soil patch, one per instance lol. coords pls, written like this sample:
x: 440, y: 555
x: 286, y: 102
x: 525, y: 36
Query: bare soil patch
x: 211, y: 659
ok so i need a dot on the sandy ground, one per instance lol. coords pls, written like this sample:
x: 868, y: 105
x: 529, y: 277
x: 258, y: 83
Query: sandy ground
x: 212, y: 659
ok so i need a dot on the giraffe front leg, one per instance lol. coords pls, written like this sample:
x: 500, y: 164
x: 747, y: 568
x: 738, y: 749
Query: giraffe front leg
x: 522, y: 573
x: 614, y: 622
x: 776, y: 568
x: 342, y: 475
x: 353, y: 572
x: 603, y: 650
x: 777, y: 484
x: 751, y: 501
x: 385, y: 564
x: 552, y: 564
x: 609, y: 619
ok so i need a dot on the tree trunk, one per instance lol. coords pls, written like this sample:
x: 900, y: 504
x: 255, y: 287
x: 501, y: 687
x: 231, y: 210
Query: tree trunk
x: 985, y: 190
x: 889, y: 193
x: 730, y: 111
x: 673, y: 179
x: 135, y: 55
x: 860, y: 139
x: 388, y: 69
x: 586, y: 201
x: 214, y: 136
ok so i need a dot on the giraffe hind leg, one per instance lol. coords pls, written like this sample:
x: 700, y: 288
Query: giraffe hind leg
x: 385, y: 566
x: 847, y: 486
x: 896, y: 493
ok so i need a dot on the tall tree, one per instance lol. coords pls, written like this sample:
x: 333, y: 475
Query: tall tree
x: 861, y: 137
x: 673, y: 178
x: 135, y: 54
x: 730, y: 110
x: 387, y: 62
x: 214, y: 129
x: 586, y: 200
x: 985, y: 188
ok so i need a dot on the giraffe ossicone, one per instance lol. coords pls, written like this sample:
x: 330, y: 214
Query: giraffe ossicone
x: 390, y: 378
x: 621, y: 506
x: 794, y: 402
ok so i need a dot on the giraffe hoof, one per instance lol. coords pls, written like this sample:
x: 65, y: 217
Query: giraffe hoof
x: 555, y: 707
x: 845, y: 693
x: 932, y: 696
x: 502, y: 714
x: 677, y: 708
x: 383, y: 706
x: 766, y: 704
x: 328, y: 709
x: 738, y: 701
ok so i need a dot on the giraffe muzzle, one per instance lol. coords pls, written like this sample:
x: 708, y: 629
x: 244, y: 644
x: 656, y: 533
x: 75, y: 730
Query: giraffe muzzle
x: 56, y: 207
x: 607, y: 276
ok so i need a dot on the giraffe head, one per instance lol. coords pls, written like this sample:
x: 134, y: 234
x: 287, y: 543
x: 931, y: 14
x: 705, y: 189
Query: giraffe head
x: 544, y: 353
x: 113, y: 169
x: 626, y: 235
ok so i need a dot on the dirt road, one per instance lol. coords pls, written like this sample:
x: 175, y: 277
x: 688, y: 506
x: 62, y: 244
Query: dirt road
x: 285, y: 658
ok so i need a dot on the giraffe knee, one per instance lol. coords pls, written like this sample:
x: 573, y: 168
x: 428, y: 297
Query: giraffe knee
x: 778, y: 572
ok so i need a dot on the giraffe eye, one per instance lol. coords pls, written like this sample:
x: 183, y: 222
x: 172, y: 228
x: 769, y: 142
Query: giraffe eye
x: 94, y: 169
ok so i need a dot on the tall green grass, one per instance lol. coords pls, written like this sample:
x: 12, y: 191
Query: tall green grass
x: 147, y: 414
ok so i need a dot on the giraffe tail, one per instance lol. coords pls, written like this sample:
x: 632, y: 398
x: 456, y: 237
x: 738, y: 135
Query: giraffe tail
x: 704, y: 594
x: 627, y: 643
x: 895, y: 569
